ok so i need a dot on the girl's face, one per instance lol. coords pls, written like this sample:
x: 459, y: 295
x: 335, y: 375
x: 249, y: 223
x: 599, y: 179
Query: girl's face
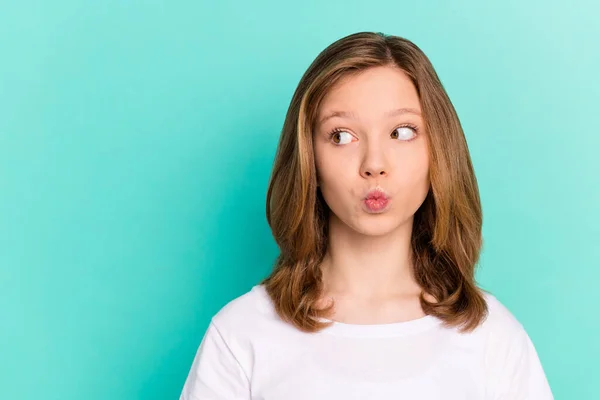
x: 370, y: 135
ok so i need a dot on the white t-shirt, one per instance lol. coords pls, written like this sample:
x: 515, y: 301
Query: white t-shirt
x: 248, y: 352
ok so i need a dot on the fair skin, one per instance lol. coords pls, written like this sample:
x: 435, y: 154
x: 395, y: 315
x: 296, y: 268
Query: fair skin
x: 367, y: 270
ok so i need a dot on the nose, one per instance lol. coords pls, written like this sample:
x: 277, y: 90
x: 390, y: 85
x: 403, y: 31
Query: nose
x: 374, y: 172
x: 374, y: 162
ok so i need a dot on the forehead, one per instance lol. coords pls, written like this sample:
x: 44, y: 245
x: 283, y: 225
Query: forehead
x: 370, y: 93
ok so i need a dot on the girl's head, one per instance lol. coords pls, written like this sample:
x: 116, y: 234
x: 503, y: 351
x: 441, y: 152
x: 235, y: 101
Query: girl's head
x: 369, y: 135
x: 371, y: 113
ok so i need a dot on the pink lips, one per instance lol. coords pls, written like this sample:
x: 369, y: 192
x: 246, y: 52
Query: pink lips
x: 376, y: 201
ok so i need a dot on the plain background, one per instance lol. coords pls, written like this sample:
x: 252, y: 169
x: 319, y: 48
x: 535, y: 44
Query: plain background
x: 136, y: 141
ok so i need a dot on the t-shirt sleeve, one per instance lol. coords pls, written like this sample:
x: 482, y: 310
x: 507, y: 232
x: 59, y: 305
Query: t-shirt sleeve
x: 513, y: 368
x: 215, y: 373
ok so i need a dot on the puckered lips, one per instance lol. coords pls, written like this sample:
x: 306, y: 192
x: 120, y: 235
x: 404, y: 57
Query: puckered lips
x: 376, y: 201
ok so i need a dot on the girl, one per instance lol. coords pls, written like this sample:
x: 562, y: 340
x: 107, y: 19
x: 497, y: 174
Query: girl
x: 375, y: 207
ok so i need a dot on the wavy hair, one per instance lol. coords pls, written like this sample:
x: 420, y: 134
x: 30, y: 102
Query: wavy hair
x: 446, y: 236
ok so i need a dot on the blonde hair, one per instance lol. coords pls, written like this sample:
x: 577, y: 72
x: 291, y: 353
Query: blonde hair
x: 446, y: 238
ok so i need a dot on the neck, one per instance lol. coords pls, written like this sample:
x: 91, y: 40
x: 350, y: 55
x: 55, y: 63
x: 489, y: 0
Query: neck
x: 368, y: 266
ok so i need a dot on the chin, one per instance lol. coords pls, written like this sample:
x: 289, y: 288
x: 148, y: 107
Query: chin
x: 380, y: 226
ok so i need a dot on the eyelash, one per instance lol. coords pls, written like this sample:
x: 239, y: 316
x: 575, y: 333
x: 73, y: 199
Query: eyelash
x: 413, y: 127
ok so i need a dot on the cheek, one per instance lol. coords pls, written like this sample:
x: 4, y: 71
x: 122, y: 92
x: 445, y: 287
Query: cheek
x: 414, y: 171
x: 414, y: 165
x: 336, y: 181
x: 413, y: 179
x: 333, y: 168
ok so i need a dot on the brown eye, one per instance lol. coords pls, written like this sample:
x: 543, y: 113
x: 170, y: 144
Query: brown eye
x: 340, y: 137
x: 403, y: 133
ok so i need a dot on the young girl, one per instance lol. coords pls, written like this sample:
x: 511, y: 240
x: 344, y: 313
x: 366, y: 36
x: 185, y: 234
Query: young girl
x: 375, y: 207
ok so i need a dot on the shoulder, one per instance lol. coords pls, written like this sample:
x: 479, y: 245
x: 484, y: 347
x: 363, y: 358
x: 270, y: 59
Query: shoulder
x: 244, y: 311
x: 248, y: 317
x: 512, y: 368
x: 225, y: 357
x: 505, y: 340
x: 241, y: 324
x: 499, y: 318
x: 498, y: 328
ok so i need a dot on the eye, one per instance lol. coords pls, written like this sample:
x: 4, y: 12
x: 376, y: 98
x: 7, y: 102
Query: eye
x: 340, y: 137
x: 405, y: 132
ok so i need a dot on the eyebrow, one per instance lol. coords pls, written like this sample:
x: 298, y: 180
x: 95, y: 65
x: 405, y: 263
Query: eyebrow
x: 391, y: 113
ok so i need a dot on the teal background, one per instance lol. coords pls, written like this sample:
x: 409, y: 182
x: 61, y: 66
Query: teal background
x: 136, y: 141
